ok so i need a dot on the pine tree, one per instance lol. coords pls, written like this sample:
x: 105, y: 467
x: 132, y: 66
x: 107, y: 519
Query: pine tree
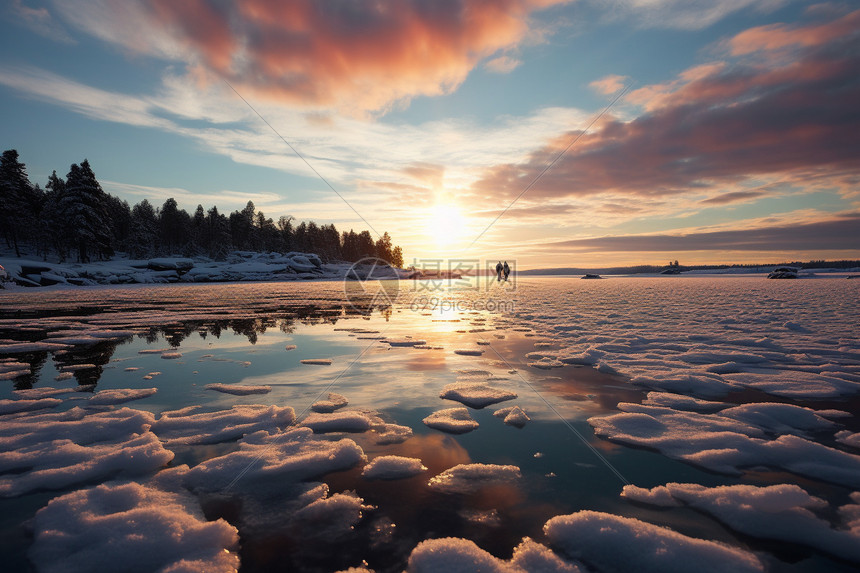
x: 175, y: 227
x: 217, y: 234
x: 84, y: 207
x: 143, y: 235
x: 14, y: 190
x: 285, y: 227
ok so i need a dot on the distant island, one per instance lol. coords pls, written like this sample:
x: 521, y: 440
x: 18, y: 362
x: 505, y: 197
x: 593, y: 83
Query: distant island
x: 678, y: 269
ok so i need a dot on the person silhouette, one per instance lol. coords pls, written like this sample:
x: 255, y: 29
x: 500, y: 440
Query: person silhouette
x: 499, y: 271
x: 507, y: 270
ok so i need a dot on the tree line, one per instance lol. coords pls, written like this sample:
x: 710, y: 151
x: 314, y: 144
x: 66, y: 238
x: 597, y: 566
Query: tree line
x: 74, y: 218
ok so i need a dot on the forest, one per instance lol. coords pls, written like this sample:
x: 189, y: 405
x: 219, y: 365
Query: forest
x: 74, y: 219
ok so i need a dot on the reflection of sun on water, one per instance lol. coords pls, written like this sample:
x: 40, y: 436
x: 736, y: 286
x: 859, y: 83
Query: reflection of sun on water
x: 446, y: 225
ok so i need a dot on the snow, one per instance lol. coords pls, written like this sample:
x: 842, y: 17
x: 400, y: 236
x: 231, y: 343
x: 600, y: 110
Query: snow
x: 330, y: 404
x: 11, y: 369
x: 457, y: 555
x: 513, y: 416
x: 272, y: 459
x: 613, y: 543
x: 239, y: 389
x: 451, y: 420
x: 392, y: 434
x: 28, y: 347
x: 186, y: 426
x: 392, y: 467
x: 54, y: 451
x: 469, y: 351
x: 331, y: 516
x: 404, y: 342
x: 784, y: 512
x: 119, y: 396
x: 475, y: 394
x: 141, y: 528
x: 848, y: 438
x: 469, y: 478
x: 15, y: 406
x: 348, y: 421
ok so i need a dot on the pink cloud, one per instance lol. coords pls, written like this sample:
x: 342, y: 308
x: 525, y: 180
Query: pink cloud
x: 364, y: 55
x: 609, y: 85
x: 714, y: 126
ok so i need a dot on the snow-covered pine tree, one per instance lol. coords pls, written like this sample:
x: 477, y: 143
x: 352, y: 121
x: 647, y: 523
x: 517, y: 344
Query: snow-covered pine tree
x: 143, y: 235
x: 15, y: 188
x: 83, y: 205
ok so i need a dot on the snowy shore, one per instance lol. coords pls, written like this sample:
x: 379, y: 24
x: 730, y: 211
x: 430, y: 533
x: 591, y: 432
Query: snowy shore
x: 238, y: 266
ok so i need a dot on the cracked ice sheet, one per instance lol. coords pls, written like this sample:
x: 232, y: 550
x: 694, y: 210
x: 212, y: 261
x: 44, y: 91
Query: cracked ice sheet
x: 139, y: 527
x: 726, y: 444
x: 784, y: 512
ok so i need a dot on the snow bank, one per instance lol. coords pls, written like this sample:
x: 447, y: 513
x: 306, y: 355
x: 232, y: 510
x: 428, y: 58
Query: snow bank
x: 119, y: 396
x: 612, y: 543
x: 273, y: 459
x: 338, y: 422
x: 132, y: 527
x: 783, y: 512
x: 475, y: 394
x: 24, y: 405
x: 469, y: 478
x: 330, y: 404
x: 392, y: 467
x: 454, y: 555
x: 451, y: 420
x: 184, y: 427
x: 239, y: 390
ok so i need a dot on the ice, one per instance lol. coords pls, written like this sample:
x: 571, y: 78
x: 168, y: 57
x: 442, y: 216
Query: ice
x: 272, y: 459
x: 53, y: 451
x: 11, y: 369
x: 24, y: 405
x: 849, y: 439
x: 681, y: 402
x: 239, y: 389
x: 456, y: 555
x: 779, y: 418
x: 723, y: 444
x: 613, y: 543
x: 451, y: 420
x: 317, y: 361
x: 513, y: 416
x: 475, y: 394
x: 469, y: 351
x: 330, y: 404
x: 392, y: 467
x: 331, y: 516
x: 347, y: 421
x: 392, y: 434
x: 28, y: 347
x: 795, y: 384
x: 784, y: 512
x: 469, y: 478
x: 119, y: 396
x: 45, y: 392
x: 290, y: 347
x: 132, y: 527
x: 185, y: 427
x: 404, y: 341
x: 171, y: 355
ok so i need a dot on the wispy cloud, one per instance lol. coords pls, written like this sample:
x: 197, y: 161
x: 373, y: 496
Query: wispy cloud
x: 503, y: 64
x: 39, y: 20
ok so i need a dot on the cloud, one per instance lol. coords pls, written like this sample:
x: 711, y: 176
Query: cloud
x: 39, y: 20
x: 835, y: 233
x: 715, y: 126
x: 502, y: 64
x: 609, y: 85
x: 733, y: 197
x: 685, y: 14
x: 356, y: 56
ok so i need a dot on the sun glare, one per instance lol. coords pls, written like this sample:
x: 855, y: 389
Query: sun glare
x: 446, y: 225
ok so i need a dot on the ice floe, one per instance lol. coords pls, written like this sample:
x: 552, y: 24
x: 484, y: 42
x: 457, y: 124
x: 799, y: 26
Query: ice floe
x: 469, y: 351
x: 513, y: 416
x: 24, y: 405
x: 455, y: 554
x: 330, y: 404
x: 130, y: 527
x: 239, y: 389
x: 475, y: 394
x: 784, y: 512
x: 317, y: 361
x: 451, y: 420
x: 120, y: 395
x: 271, y: 459
x: 392, y: 467
x: 189, y: 426
x: 469, y: 478
x: 343, y: 421
x: 392, y: 434
x: 610, y: 542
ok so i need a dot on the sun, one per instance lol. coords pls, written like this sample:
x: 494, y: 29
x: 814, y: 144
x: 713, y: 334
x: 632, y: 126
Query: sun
x: 446, y: 224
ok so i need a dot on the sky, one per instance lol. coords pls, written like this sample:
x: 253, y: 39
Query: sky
x: 548, y: 133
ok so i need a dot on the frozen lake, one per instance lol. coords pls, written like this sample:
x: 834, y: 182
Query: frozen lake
x: 727, y: 406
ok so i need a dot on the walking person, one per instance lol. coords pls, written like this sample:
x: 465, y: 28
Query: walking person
x: 499, y: 271
x: 507, y: 270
